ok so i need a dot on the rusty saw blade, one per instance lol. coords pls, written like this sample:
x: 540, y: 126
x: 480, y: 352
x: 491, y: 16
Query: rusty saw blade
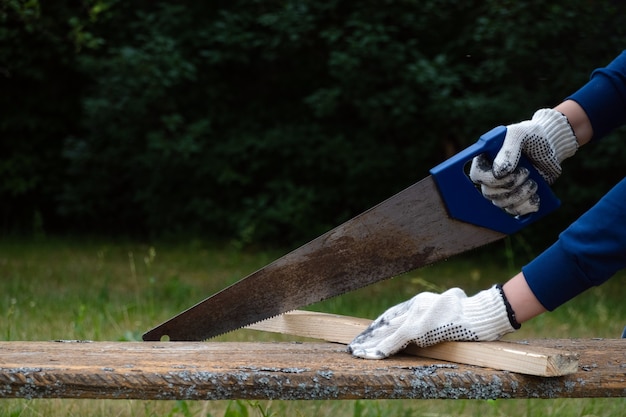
x: 434, y: 219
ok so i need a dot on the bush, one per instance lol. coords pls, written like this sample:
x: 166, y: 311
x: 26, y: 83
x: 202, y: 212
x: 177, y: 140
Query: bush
x: 273, y: 121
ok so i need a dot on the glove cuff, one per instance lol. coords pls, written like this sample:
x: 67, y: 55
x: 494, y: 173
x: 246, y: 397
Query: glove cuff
x: 558, y: 132
x: 488, y: 315
x: 509, y: 309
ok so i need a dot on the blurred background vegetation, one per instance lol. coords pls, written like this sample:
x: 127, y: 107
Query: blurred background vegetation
x: 272, y: 121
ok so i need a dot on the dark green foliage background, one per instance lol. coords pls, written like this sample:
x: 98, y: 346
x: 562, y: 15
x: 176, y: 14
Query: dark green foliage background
x: 272, y: 121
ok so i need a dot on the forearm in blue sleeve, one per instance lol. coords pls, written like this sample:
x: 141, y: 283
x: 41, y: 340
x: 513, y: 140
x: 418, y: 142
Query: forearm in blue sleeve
x: 604, y: 97
x: 587, y: 253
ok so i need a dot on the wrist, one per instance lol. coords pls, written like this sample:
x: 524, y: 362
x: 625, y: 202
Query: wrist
x: 522, y: 298
x: 577, y: 118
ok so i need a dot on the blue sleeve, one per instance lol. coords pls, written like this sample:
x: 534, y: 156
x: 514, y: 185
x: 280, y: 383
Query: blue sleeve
x: 604, y: 97
x: 587, y: 253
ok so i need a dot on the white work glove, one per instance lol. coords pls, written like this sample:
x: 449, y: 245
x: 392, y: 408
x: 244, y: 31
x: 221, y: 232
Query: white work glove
x: 429, y: 318
x: 546, y: 140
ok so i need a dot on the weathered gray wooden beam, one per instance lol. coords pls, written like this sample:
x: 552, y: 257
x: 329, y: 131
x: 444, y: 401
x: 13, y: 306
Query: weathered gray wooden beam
x: 289, y: 371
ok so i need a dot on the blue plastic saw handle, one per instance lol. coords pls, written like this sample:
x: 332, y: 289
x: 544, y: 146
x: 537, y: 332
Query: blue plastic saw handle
x: 464, y: 200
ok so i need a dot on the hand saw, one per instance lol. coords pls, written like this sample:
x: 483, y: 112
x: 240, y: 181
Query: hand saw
x: 438, y: 217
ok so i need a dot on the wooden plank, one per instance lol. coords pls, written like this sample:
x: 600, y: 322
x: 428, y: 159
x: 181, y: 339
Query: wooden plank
x: 225, y: 370
x: 329, y: 327
x: 505, y: 356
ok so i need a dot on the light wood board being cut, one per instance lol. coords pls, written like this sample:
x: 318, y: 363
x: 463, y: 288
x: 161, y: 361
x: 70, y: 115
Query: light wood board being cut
x: 505, y: 356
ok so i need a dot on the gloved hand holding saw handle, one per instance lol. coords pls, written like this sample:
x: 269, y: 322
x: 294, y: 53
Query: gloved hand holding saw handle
x: 546, y: 140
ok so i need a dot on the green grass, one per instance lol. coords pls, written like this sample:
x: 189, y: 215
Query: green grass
x: 104, y: 290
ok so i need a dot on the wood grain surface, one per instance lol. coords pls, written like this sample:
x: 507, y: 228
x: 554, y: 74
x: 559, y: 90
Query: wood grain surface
x: 245, y: 370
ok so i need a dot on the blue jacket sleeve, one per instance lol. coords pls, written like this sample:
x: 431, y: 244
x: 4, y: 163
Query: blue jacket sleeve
x: 604, y: 97
x: 593, y: 248
x: 587, y: 253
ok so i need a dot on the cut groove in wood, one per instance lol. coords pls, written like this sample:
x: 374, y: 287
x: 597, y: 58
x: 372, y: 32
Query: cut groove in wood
x: 505, y: 356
